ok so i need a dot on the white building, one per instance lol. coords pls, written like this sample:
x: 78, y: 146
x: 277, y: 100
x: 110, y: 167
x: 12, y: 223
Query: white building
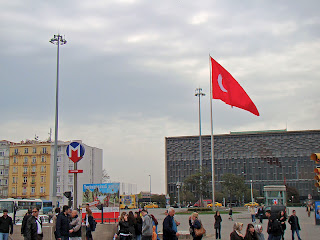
x: 91, y: 164
x: 4, y: 168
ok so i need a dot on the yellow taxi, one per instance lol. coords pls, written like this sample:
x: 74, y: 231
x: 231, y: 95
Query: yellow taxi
x: 251, y: 204
x: 151, y: 205
x: 217, y: 204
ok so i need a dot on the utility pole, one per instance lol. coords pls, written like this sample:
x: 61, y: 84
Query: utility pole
x: 57, y: 40
x: 199, y: 94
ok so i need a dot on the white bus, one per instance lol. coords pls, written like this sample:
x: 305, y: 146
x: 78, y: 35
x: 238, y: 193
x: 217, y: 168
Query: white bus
x: 17, y: 208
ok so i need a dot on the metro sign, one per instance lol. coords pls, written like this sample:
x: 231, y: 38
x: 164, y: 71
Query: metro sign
x: 75, y: 171
x: 75, y: 152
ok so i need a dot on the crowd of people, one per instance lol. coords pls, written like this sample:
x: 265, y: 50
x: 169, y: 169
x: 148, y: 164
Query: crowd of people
x: 66, y: 225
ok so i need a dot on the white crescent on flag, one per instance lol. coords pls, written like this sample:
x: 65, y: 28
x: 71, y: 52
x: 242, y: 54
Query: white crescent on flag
x: 220, y: 84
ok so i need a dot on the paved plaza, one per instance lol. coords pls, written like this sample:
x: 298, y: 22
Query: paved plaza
x: 309, y: 231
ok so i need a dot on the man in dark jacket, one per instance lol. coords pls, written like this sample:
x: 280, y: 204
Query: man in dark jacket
x: 63, y: 224
x: 274, y: 228
x: 295, y: 226
x: 24, y: 222
x: 169, y: 230
x: 33, y: 229
x: 5, y: 224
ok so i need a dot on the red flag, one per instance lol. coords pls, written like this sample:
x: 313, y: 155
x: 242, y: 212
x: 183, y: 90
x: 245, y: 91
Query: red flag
x: 227, y: 89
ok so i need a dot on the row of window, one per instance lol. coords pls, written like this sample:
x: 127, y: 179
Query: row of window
x: 33, y: 179
x: 34, y: 150
x: 26, y: 159
x: 24, y: 190
x: 33, y: 169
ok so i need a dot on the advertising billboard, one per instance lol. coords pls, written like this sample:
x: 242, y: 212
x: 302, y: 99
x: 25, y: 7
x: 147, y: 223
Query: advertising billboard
x: 317, y: 211
x: 104, y: 195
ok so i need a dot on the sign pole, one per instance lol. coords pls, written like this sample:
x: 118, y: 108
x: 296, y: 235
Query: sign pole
x: 75, y: 187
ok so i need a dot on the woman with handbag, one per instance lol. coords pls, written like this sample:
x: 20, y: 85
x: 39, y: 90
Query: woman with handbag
x: 197, y: 230
x: 217, y: 224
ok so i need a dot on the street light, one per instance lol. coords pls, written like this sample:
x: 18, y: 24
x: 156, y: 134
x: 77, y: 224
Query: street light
x: 178, y: 188
x: 57, y: 40
x: 251, y: 191
x: 199, y: 93
x: 150, y: 188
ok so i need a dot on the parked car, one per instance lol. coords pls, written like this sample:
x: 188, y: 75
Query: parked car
x: 152, y: 205
x: 251, y: 204
x: 275, y: 211
x: 217, y: 204
x: 205, y: 202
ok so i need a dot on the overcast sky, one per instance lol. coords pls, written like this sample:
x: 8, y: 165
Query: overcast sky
x: 130, y: 69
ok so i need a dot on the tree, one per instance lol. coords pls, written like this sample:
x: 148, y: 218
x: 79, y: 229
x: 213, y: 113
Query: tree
x: 233, y: 186
x: 105, y: 176
x: 192, y: 185
x: 292, y: 194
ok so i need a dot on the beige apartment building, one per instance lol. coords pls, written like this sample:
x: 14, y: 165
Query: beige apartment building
x: 29, y: 170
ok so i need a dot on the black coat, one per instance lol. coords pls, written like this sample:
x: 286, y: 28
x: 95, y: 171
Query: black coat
x: 62, y: 225
x: 294, y: 222
x: 235, y: 236
x: 91, y: 223
x: 168, y: 232
x: 124, y: 227
x: 274, y: 227
x: 24, y: 224
x: 217, y: 221
x: 282, y: 220
x: 31, y: 230
x: 196, y: 224
x: 5, y: 224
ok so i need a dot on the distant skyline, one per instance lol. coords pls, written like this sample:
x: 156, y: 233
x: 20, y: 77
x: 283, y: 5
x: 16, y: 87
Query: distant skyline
x: 129, y: 71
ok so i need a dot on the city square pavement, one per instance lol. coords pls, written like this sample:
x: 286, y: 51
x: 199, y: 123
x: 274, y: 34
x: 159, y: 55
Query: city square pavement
x: 309, y: 231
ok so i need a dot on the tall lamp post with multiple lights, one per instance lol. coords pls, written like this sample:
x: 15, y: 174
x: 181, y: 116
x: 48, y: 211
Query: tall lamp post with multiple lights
x: 199, y: 93
x: 57, y: 40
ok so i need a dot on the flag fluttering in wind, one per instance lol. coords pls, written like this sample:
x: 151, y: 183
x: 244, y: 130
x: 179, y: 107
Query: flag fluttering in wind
x: 227, y: 89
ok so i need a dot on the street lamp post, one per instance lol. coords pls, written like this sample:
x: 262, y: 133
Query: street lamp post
x: 251, y: 191
x: 57, y: 40
x: 178, y: 188
x: 150, y: 188
x: 199, y: 93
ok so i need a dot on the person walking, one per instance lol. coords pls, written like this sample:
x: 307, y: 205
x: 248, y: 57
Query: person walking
x: 308, y: 210
x: 217, y: 224
x: 54, y: 220
x: 295, y: 226
x: 34, y: 226
x: 195, y: 223
x: 147, y: 226
x: 230, y: 214
x: 63, y: 224
x: 169, y: 226
x: 24, y: 222
x: 6, y: 225
x: 75, y: 226
x: 89, y: 220
x: 253, y: 213
x: 282, y: 220
x: 274, y: 227
x: 236, y: 234
x: 250, y: 233
x: 259, y: 231
x: 260, y: 214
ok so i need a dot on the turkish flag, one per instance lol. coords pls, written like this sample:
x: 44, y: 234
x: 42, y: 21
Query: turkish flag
x: 227, y: 89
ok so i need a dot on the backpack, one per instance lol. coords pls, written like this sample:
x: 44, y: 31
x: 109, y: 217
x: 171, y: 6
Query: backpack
x: 276, y: 228
x: 94, y: 225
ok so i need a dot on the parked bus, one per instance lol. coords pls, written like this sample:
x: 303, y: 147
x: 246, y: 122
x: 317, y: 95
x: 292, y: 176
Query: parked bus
x: 17, y: 208
x: 128, y: 201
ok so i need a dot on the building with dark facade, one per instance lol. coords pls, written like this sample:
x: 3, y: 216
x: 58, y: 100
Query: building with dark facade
x: 268, y: 158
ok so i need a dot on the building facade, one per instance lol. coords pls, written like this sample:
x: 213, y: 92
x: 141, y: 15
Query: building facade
x: 267, y: 158
x: 4, y: 168
x: 91, y: 164
x: 30, y: 169
x: 29, y: 172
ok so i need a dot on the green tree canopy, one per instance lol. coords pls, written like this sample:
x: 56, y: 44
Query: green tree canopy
x: 233, y: 186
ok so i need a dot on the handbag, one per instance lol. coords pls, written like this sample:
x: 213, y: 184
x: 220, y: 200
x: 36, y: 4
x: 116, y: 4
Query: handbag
x: 199, y: 232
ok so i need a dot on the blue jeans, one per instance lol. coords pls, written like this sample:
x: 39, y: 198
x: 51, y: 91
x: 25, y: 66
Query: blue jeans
x: 4, y: 236
x: 271, y: 237
x: 297, y: 231
x: 253, y: 218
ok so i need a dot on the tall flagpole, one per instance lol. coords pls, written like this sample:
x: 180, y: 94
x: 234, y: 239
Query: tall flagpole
x: 212, y: 140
